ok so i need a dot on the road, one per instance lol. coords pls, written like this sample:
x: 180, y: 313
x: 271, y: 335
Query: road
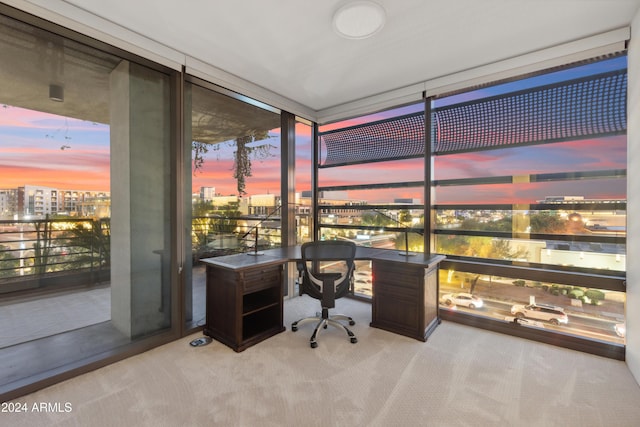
x: 579, y: 324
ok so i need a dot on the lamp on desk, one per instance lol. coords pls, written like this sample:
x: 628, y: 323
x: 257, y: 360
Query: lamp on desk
x: 406, y: 233
x: 255, y: 244
x: 255, y: 229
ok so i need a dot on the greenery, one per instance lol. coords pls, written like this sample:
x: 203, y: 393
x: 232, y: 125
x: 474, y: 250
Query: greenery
x: 42, y: 246
x: 241, y: 161
x: 10, y: 263
x: 482, y: 247
x: 576, y: 293
x: 376, y: 219
x: 541, y: 222
x: 94, y: 241
x: 208, y: 220
x: 404, y: 216
x: 547, y: 223
x: 503, y: 224
x: 594, y: 294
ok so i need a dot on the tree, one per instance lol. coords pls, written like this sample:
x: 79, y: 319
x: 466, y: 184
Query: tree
x: 404, y: 216
x: 42, y: 246
x: 452, y: 244
x: 96, y: 242
x: 376, y: 219
x: 10, y: 264
x: 416, y: 242
x: 502, y: 224
x: 208, y: 220
x: 501, y: 249
x: 547, y: 223
x: 227, y: 220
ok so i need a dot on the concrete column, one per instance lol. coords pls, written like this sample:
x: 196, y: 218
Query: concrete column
x: 139, y: 200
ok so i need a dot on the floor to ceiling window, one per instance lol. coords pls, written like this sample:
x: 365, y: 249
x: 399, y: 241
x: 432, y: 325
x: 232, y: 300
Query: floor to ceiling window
x: 85, y: 180
x: 528, y: 198
x: 532, y: 173
x: 371, y: 183
x: 303, y: 185
x: 232, y: 182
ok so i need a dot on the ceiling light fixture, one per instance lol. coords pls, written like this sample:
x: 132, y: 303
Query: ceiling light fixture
x: 359, y: 19
x: 56, y: 93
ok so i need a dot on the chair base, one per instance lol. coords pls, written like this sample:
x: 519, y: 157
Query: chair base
x: 323, y: 321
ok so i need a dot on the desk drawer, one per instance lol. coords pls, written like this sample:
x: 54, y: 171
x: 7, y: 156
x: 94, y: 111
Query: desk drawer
x: 262, y: 278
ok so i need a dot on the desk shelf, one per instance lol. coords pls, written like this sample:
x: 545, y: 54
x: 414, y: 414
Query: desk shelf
x: 260, y: 300
x: 259, y: 322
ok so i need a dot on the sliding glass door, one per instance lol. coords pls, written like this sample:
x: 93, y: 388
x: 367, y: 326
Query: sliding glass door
x: 85, y: 202
x: 232, y: 183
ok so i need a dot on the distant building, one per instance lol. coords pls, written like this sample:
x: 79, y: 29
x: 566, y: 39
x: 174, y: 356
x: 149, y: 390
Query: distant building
x: 94, y: 206
x: 207, y: 193
x: 577, y: 200
x: 39, y: 201
x: 407, y: 201
x: 263, y: 204
x: 219, y: 201
x: 84, y: 203
x: 8, y: 203
x: 36, y: 201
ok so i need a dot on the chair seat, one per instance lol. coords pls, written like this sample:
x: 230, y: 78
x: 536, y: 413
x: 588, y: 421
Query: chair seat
x: 326, y: 286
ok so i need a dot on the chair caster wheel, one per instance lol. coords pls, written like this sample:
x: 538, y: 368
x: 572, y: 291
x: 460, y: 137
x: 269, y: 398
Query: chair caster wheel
x: 354, y: 340
x: 325, y: 326
x: 352, y: 322
x: 294, y: 328
x: 314, y: 344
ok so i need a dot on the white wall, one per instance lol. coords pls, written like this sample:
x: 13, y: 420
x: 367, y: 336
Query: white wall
x: 633, y: 202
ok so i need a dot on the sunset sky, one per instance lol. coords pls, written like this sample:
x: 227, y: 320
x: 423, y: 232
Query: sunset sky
x: 48, y: 150
x: 65, y: 153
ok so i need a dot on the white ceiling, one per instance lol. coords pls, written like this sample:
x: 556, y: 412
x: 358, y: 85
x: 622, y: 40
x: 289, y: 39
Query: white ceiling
x: 290, y: 48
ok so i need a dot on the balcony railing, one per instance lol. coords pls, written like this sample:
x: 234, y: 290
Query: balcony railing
x: 55, y: 252
x: 40, y: 252
x: 214, y: 235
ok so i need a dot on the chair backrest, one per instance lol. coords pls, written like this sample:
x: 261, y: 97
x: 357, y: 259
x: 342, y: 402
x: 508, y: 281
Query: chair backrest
x: 323, y: 258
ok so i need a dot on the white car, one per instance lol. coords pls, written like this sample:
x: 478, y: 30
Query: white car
x: 463, y: 299
x: 621, y: 329
x: 552, y: 314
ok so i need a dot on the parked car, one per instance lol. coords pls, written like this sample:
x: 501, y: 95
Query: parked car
x: 621, y: 329
x: 463, y: 299
x: 549, y: 313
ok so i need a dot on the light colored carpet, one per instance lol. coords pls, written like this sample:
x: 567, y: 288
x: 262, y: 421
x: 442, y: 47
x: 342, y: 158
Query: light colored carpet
x: 460, y: 377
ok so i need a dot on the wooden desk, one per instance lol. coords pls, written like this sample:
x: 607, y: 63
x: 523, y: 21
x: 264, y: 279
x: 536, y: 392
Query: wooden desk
x: 405, y: 294
x: 244, y: 294
x: 244, y: 299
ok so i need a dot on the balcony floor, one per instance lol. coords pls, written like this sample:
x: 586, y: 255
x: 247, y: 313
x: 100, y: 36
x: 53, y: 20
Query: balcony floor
x: 67, y: 326
x: 37, y: 317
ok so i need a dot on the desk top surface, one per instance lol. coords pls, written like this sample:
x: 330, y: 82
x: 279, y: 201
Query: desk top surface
x: 292, y: 253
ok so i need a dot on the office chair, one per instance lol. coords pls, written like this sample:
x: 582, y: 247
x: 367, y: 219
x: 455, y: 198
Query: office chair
x: 326, y: 271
